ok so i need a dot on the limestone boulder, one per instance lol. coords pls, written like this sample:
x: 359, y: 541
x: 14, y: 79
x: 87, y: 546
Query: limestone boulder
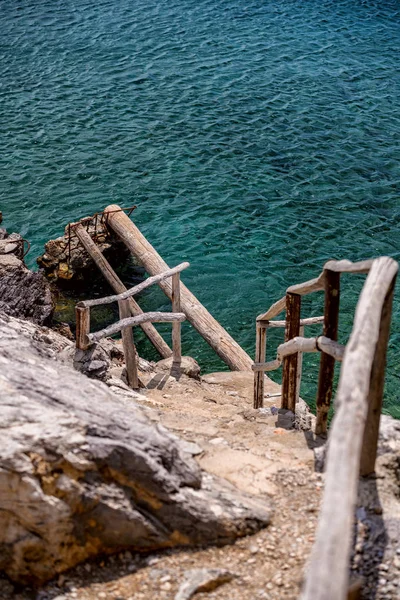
x: 83, y: 472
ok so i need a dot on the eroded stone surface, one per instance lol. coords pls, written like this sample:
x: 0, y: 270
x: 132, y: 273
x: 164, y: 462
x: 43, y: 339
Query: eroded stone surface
x: 83, y: 472
x: 23, y: 293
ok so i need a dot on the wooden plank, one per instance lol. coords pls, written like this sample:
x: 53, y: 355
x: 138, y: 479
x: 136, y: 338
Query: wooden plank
x: 375, y: 396
x: 176, y: 326
x: 150, y: 317
x: 114, y: 281
x: 346, y: 266
x: 289, y: 367
x: 327, y: 363
x: 129, y: 347
x: 328, y: 569
x: 137, y: 288
x: 82, y: 327
x: 261, y: 350
x: 214, y: 334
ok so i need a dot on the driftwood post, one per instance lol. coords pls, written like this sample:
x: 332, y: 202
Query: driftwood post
x: 176, y: 326
x: 112, y: 278
x: 375, y: 396
x: 327, y: 363
x: 129, y: 346
x: 82, y: 327
x: 261, y: 350
x: 289, y: 366
x: 214, y: 334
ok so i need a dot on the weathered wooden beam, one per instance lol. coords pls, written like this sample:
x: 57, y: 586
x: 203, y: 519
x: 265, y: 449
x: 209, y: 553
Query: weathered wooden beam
x: 328, y: 569
x: 346, y: 266
x: 289, y: 368
x: 375, y: 396
x: 261, y: 350
x: 327, y: 363
x: 129, y: 346
x: 82, y: 327
x: 150, y: 317
x: 214, y: 334
x: 137, y: 288
x: 176, y: 326
x: 112, y: 278
x: 299, y: 345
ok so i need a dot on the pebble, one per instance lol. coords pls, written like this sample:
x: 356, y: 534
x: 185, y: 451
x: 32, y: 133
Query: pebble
x: 253, y: 549
x: 269, y: 586
x: 102, y: 595
x: 166, y: 586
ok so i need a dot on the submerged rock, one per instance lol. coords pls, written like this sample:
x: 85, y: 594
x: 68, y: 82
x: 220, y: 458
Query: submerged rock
x: 83, y: 472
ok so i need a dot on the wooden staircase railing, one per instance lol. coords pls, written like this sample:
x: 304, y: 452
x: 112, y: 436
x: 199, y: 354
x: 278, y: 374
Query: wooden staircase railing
x: 84, y: 338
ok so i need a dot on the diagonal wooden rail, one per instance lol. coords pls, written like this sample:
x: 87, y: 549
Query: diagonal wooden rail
x: 114, y: 281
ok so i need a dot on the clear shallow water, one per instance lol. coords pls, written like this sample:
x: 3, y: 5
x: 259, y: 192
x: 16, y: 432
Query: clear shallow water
x: 258, y: 138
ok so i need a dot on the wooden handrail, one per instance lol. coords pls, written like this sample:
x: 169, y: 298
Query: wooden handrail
x: 150, y: 317
x: 136, y: 289
x: 307, y: 321
x: 316, y: 285
x: 302, y: 344
x: 360, y: 386
x: 346, y: 266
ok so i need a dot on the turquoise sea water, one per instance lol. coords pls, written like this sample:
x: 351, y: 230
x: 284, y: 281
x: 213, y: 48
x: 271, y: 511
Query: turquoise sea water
x: 258, y: 138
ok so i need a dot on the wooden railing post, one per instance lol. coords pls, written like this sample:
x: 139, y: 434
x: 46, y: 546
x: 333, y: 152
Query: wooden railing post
x: 375, y: 395
x: 289, y: 366
x: 327, y: 363
x: 82, y: 327
x: 128, y: 346
x: 299, y: 366
x: 176, y: 326
x: 261, y: 351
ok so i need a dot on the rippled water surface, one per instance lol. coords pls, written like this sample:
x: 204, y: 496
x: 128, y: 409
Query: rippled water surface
x: 258, y: 138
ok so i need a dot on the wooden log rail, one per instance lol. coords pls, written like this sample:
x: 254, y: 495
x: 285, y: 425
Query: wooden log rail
x: 302, y: 344
x: 354, y: 433
x: 84, y: 338
x: 329, y: 282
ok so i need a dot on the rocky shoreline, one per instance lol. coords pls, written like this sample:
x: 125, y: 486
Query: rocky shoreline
x: 89, y: 469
